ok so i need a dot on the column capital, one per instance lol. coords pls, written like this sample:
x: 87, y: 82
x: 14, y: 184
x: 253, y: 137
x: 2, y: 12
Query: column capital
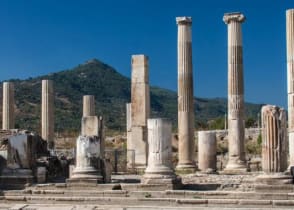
x: 184, y: 20
x: 234, y: 16
x: 289, y: 11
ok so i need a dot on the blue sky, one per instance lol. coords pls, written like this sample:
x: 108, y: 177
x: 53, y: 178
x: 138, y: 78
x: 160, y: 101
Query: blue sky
x: 39, y: 37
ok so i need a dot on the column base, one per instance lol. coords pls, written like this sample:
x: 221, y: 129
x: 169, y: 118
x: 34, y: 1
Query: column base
x: 88, y: 173
x: 170, y: 181
x: 186, y: 168
x: 235, y: 169
x: 274, y: 179
x: 208, y: 171
x: 290, y: 170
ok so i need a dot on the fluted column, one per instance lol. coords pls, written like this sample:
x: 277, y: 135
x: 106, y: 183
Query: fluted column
x: 236, y: 130
x: 185, y: 96
x: 274, y: 134
x: 290, y: 77
x: 140, y: 109
x: 8, y: 106
x: 159, y: 169
x: 274, y: 147
x: 48, y: 113
x: 88, y: 105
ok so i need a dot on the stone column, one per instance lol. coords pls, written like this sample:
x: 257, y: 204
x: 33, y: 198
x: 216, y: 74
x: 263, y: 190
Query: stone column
x: 130, y: 152
x: 88, y: 105
x: 290, y: 77
x: 236, y: 130
x: 207, y: 151
x: 48, y: 113
x: 159, y: 169
x: 274, y: 134
x: 89, y: 152
x: 185, y: 96
x: 140, y: 109
x: 274, y: 145
x: 8, y: 106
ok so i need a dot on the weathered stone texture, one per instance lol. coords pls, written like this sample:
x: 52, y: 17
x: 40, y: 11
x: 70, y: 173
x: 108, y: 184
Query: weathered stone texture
x: 90, y: 126
x: 274, y: 134
x: 185, y: 95
x: 88, y: 105
x: 290, y: 80
x: 48, y: 112
x: 139, y: 109
x: 159, y: 169
x: 236, y: 128
x: 8, y: 106
x: 207, y: 151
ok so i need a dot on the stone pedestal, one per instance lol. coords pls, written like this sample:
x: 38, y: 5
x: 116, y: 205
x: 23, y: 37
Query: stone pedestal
x: 88, y: 163
x: 290, y: 80
x: 20, y: 161
x: 140, y: 109
x: 274, y: 146
x: 88, y: 105
x: 8, y: 106
x: 186, y: 149
x: 159, y: 169
x: 236, y: 163
x: 89, y: 153
x: 48, y: 113
x: 207, y: 151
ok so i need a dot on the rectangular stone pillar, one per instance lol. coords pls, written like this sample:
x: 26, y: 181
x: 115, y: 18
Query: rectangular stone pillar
x: 8, y: 106
x: 48, y: 113
x: 140, y: 108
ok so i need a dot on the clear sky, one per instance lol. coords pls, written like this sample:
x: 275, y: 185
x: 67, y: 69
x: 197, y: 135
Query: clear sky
x: 42, y: 36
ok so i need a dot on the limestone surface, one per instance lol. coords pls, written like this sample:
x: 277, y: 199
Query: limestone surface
x: 159, y: 169
x: 236, y: 128
x: 8, y: 106
x: 48, y: 113
x: 290, y: 80
x: 140, y: 109
x: 186, y: 151
x: 207, y: 151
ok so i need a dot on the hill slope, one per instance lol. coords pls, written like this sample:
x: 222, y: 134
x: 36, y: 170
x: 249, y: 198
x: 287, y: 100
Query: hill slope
x: 111, y: 91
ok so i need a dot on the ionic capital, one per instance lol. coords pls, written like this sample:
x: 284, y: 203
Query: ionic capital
x: 234, y: 16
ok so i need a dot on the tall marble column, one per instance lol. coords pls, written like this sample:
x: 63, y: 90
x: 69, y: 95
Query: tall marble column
x: 274, y: 146
x: 185, y: 96
x: 290, y: 77
x: 140, y: 109
x: 8, y: 106
x: 88, y: 105
x: 159, y: 169
x: 236, y: 130
x: 48, y: 113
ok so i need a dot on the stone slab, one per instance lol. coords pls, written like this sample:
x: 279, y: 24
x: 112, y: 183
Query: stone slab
x: 90, y: 126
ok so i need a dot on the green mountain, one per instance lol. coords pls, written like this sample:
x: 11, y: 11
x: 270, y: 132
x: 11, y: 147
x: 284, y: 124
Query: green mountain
x: 111, y: 90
